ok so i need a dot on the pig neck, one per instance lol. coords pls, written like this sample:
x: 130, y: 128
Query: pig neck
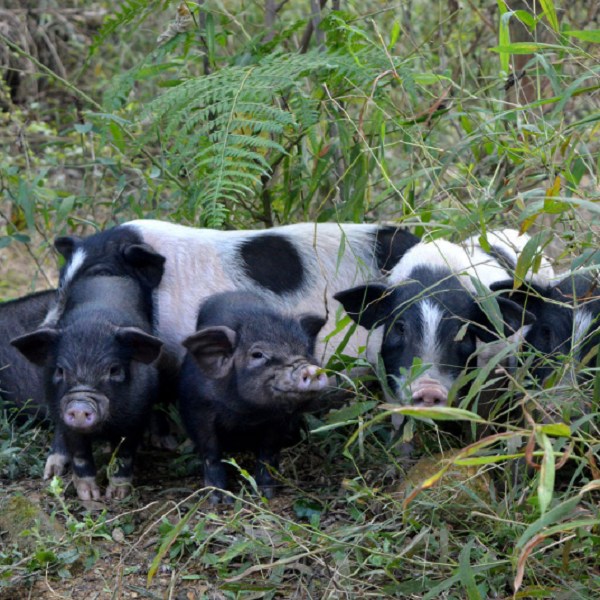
x: 240, y: 405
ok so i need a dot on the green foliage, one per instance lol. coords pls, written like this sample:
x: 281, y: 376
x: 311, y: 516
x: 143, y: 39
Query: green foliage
x: 384, y: 112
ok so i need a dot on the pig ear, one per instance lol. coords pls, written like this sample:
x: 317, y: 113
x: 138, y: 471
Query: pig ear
x: 312, y: 324
x: 212, y: 349
x: 66, y: 245
x: 36, y: 346
x: 513, y: 315
x: 150, y: 265
x: 530, y: 295
x: 366, y: 304
x: 144, y: 347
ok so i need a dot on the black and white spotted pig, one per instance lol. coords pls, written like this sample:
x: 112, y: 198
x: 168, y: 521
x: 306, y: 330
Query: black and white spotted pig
x: 430, y: 311
x: 297, y: 268
x: 566, y: 323
x: 248, y: 375
x: 98, y: 378
x: 21, y: 382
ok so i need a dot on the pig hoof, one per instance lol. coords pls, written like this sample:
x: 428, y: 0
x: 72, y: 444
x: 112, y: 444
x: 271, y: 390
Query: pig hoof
x: 56, y: 464
x: 215, y: 498
x: 268, y: 491
x: 87, y: 488
x: 163, y: 442
x: 118, y: 488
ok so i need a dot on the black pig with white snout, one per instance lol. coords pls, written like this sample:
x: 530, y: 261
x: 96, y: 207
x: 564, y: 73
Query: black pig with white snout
x: 98, y: 379
x: 247, y: 377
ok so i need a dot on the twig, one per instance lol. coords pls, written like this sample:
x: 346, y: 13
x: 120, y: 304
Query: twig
x: 310, y: 28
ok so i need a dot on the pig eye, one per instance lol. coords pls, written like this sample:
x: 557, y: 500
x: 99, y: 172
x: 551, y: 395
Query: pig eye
x: 398, y: 326
x: 99, y: 270
x: 257, y: 358
x: 117, y: 373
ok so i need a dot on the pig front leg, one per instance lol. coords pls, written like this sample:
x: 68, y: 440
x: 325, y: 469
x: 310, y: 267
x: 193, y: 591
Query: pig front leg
x: 121, y: 473
x: 84, y: 468
x: 267, y: 457
x: 59, y: 456
x: 214, y: 472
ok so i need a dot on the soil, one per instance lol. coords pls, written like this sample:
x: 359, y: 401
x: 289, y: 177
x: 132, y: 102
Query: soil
x: 132, y: 528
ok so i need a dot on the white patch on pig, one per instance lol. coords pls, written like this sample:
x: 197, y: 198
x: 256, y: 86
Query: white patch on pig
x: 55, y: 312
x: 459, y: 261
x: 74, y: 265
x: 511, y: 242
x: 202, y: 262
x: 87, y: 488
x: 431, y: 319
x: 56, y: 464
x: 581, y: 325
x: 118, y: 488
x: 430, y: 355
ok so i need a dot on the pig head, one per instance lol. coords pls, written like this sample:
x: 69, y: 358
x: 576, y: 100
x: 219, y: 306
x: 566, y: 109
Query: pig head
x: 262, y: 372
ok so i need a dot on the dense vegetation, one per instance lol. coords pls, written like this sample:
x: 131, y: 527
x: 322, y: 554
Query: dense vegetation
x: 454, y: 117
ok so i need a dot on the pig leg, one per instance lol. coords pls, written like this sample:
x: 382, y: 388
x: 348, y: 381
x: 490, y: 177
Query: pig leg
x: 59, y: 456
x: 267, y: 457
x: 121, y: 473
x: 84, y: 469
x: 214, y: 469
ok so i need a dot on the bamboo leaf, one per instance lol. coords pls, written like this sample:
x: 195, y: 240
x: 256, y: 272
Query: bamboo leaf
x: 547, y: 472
x: 586, y: 35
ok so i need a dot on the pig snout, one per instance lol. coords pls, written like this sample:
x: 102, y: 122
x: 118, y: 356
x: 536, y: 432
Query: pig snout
x: 83, y: 409
x: 429, y: 393
x: 80, y: 415
x: 309, y: 379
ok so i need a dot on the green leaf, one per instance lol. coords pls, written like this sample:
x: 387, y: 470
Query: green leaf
x: 547, y: 472
x: 527, y: 48
x: 442, y: 413
x: 504, y: 34
x: 555, y: 515
x: 307, y: 508
x: 465, y: 572
x: 587, y: 35
x: 351, y: 412
x: 550, y: 12
x: 394, y: 35
x: 527, y: 259
x: 556, y: 429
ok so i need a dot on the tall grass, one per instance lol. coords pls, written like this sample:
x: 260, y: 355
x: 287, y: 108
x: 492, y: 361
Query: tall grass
x: 452, y: 117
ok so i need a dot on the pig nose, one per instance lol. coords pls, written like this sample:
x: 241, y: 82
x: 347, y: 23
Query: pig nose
x: 80, y: 415
x: 429, y: 398
x: 311, y: 379
x: 429, y: 393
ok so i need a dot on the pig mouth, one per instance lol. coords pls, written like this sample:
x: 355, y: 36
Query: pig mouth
x: 84, y: 409
x: 304, y: 382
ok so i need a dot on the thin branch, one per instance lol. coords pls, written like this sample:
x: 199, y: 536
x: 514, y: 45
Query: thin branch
x: 311, y: 26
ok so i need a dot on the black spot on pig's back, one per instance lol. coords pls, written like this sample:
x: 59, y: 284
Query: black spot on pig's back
x: 273, y: 262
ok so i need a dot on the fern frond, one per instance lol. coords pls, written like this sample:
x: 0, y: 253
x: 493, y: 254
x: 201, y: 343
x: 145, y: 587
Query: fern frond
x: 122, y: 14
x: 227, y: 128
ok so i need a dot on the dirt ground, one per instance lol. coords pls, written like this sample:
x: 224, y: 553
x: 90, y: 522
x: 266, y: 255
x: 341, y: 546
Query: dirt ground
x: 132, y: 529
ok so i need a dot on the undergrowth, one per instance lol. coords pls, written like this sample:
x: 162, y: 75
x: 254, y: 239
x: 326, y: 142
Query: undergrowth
x: 454, y: 118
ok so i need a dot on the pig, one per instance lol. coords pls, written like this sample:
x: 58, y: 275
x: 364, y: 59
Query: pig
x: 248, y: 375
x: 98, y: 378
x: 297, y: 268
x: 430, y: 310
x: 21, y: 383
x: 117, y: 253
x: 566, y: 318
